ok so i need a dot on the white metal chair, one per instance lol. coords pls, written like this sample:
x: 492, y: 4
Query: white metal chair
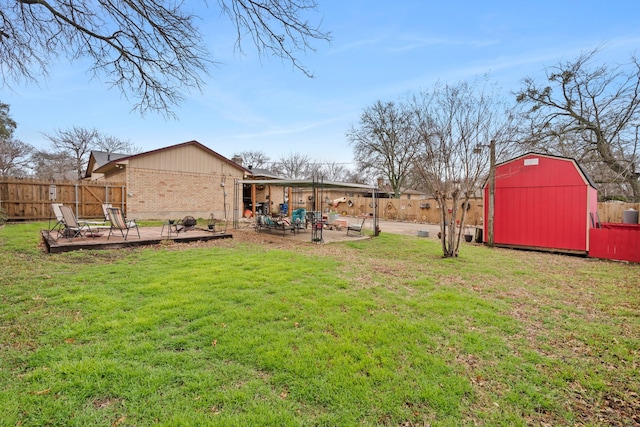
x: 359, y: 229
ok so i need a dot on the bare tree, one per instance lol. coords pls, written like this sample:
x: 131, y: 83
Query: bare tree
x: 357, y: 177
x: 333, y: 171
x: 454, y: 123
x: 14, y: 154
x: 52, y: 165
x: 76, y: 143
x: 328, y: 171
x: 293, y: 166
x: 14, y: 157
x: 151, y: 50
x: 111, y: 144
x: 385, y: 143
x: 589, y: 111
x: 254, y: 159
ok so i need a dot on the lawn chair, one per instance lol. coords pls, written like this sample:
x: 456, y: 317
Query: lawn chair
x: 96, y: 226
x: 59, y: 226
x: 299, y: 218
x: 119, y: 223
x: 105, y: 211
x: 359, y: 229
x: 72, y: 228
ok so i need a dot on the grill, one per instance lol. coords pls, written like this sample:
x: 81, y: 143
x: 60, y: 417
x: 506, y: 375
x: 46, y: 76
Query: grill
x: 188, y: 222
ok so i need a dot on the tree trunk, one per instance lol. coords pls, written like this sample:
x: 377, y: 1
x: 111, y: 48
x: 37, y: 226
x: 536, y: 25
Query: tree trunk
x: 442, y: 201
x: 635, y: 188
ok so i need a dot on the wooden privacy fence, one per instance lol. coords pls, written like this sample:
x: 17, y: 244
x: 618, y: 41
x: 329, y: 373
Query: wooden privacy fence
x: 411, y: 210
x: 613, y: 211
x: 28, y: 199
x: 427, y: 210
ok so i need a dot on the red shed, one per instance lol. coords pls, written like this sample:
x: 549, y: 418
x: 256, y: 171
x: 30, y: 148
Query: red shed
x: 542, y: 202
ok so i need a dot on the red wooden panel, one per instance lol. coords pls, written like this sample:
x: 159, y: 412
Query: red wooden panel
x: 617, y: 242
x: 552, y: 217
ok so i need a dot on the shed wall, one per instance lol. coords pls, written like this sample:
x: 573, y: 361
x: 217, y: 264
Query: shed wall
x: 542, y: 202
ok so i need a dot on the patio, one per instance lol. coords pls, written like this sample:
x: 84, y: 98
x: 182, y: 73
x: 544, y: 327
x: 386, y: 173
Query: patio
x: 148, y: 236
x: 156, y: 235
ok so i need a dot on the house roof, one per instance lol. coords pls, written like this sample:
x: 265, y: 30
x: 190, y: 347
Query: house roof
x: 264, y: 173
x: 387, y: 188
x: 412, y: 191
x: 101, y: 158
x: 111, y: 164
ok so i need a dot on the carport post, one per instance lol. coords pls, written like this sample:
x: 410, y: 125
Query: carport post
x: 253, y: 200
x: 376, y: 229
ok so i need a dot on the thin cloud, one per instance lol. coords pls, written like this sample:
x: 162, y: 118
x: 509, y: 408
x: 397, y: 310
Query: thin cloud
x: 353, y: 46
x: 295, y: 128
x: 410, y: 43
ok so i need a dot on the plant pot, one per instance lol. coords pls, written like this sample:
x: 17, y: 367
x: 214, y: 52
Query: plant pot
x: 211, y: 226
x: 468, y: 238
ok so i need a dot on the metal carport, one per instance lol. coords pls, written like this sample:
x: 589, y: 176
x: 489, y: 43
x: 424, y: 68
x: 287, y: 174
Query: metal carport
x: 316, y: 185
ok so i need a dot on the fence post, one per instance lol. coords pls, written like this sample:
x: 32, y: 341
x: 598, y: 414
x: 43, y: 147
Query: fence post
x: 77, y: 204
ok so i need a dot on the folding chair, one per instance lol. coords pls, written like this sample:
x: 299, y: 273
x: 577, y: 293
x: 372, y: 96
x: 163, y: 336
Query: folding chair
x: 96, y: 226
x: 118, y: 222
x: 105, y: 211
x: 72, y: 228
x: 57, y: 228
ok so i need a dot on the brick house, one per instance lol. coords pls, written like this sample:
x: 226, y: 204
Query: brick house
x: 171, y: 182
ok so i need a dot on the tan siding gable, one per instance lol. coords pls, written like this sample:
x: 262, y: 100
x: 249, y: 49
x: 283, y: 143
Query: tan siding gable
x: 188, y: 158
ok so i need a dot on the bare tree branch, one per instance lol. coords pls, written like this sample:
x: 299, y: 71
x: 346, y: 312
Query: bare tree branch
x: 76, y: 143
x: 455, y: 124
x: 293, y: 166
x: 276, y: 27
x: 14, y: 157
x: 594, y: 108
x: 151, y: 50
x: 253, y: 159
x: 385, y: 143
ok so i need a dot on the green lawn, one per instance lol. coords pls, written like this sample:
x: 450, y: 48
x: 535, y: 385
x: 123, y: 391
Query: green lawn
x: 378, y: 332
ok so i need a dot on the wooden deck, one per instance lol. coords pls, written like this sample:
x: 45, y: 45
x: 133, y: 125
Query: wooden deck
x: 148, y: 236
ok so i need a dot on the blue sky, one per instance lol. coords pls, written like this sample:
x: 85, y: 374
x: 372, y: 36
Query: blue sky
x: 381, y: 50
